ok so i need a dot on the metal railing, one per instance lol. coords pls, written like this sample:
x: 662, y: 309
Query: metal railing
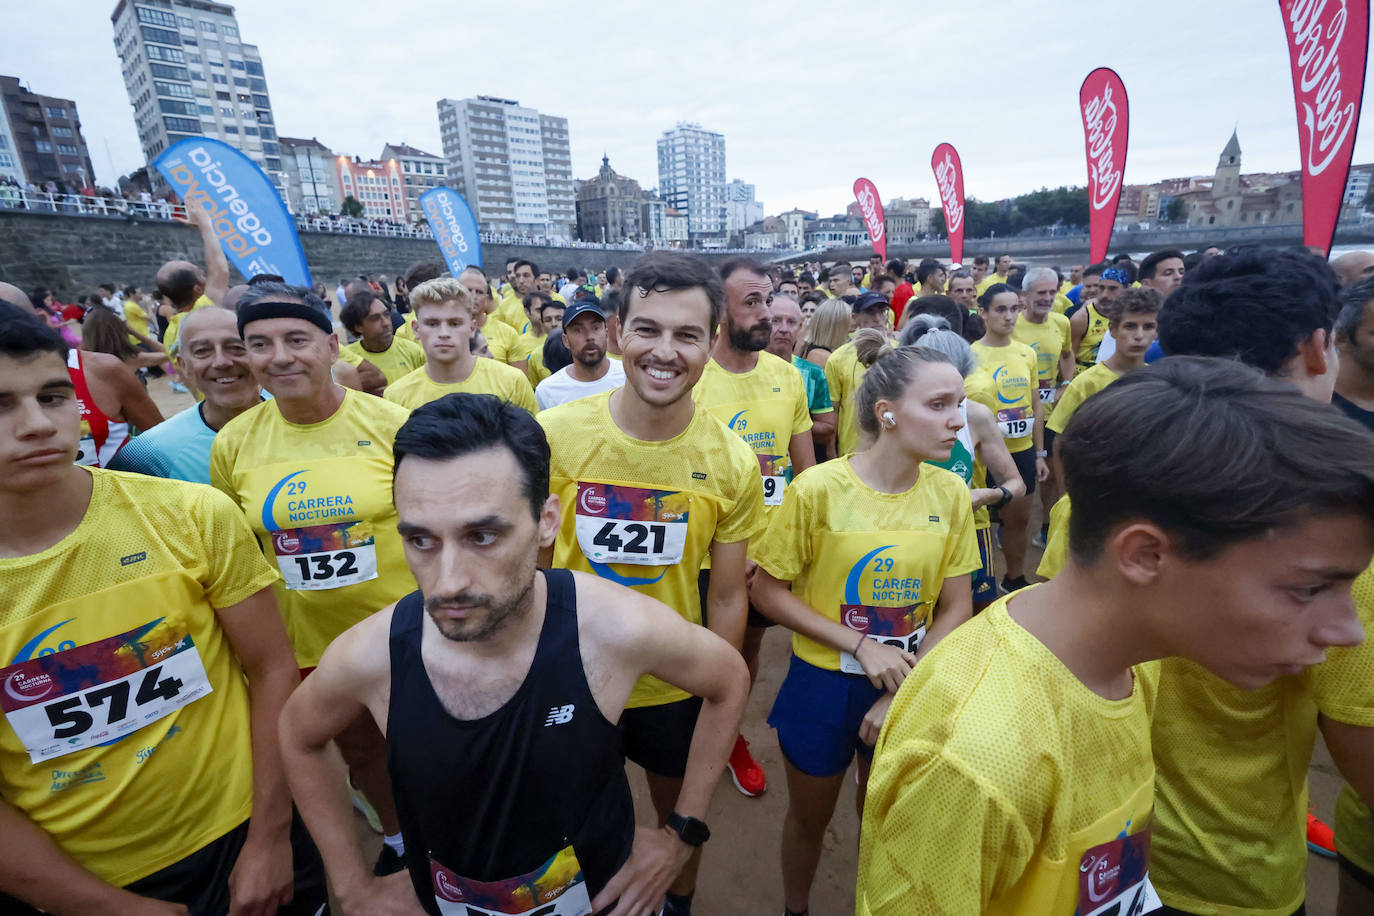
x: 17, y: 198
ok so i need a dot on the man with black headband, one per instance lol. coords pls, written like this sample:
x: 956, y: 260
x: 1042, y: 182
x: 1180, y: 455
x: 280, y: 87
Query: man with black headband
x: 311, y: 469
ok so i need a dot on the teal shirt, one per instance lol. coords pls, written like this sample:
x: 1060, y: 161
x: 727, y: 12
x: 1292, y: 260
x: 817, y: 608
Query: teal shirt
x: 817, y: 389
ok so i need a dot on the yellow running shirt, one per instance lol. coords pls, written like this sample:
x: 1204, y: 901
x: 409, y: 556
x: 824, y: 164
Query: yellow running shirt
x: 1040, y: 788
x: 644, y: 514
x: 1048, y: 339
x: 1085, y: 384
x: 169, y: 337
x: 1231, y: 791
x: 523, y: 346
x: 1012, y: 372
x: 978, y: 387
x: 1057, y: 544
x: 407, y: 329
x: 1086, y: 356
x: 766, y: 407
x: 487, y: 377
x: 872, y: 561
x: 1354, y: 824
x: 126, y: 732
x: 844, y: 373
x: 137, y: 320
x: 395, y: 361
x: 319, y: 499
x: 500, y: 340
x: 535, y: 370
x: 511, y: 311
x: 987, y: 281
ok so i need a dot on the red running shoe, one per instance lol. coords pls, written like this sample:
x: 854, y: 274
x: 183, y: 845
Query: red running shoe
x: 1320, y: 838
x: 745, y: 771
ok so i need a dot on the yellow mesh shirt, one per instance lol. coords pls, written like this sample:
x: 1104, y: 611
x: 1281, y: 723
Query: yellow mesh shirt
x: 407, y: 330
x: 1232, y: 791
x: 1085, y: 384
x: 1048, y: 340
x: 844, y: 373
x: 1057, y: 544
x: 1012, y: 372
x: 872, y: 561
x: 1002, y: 785
x: 126, y: 729
x: 1354, y: 824
x: 402, y: 357
x: 510, y: 311
x: 644, y: 514
x: 487, y: 377
x: 500, y: 340
x: 978, y: 387
x: 319, y: 499
x: 766, y: 407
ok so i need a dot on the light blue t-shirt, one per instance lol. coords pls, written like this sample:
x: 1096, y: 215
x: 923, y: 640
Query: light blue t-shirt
x: 177, y: 448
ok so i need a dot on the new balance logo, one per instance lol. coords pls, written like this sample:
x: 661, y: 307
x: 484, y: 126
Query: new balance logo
x: 559, y: 715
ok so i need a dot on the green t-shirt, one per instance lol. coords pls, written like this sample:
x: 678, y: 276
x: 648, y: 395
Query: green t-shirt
x: 817, y: 389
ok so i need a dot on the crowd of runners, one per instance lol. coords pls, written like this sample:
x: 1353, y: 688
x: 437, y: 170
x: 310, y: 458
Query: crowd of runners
x: 450, y: 550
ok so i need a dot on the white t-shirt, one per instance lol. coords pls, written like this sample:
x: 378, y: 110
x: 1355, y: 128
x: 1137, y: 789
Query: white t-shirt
x: 560, y: 388
x: 1107, y: 347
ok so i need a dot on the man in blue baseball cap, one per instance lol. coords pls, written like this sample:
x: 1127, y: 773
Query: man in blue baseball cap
x: 592, y: 370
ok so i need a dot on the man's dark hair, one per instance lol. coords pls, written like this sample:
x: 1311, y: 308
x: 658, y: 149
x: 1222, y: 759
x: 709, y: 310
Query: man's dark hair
x: 610, y: 305
x: 1095, y: 270
x: 534, y: 268
x: 510, y: 261
x: 556, y: 352
x: 975, y: 328
x: 1127, y: 457
x: 838, y: 264
x: 535, y: 299
x: 824, y: 275
x: 1191, y: 261
x: 731, y: 265
x: 980, y: 261
x: 943, y: 306
x: 179, y: 286
x: 259, y: 279
x: 1254, y: 306
x: 1353, y: 302
x: 1152, y: 262
x: 612, y: 275
x: 460, y: 424
x: 23, y: 334
x: 896, y: 267
x: 1122, y: 256
x: 109, y: 288
x: 270, y: 290
x: 985, y: 299
x: 421, y: 271
x: 355, y: 310
x: 668, y: 271
x: 926, y: 269
x: 814, y: 296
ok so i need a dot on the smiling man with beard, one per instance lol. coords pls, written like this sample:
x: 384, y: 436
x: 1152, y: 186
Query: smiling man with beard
x: 500, y: 686
x: 651, y: 485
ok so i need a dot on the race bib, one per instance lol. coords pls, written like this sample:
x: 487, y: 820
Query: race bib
x: 891, y: 626
x: 1015, y: 422
x: 325, y: 556
x: 97, y: 693
x: 1046, y: 394
x: 1114, y: 880
x: 87, y: 453
x: 555, y: 888
x: 774, y: 470
x: 634, y: 525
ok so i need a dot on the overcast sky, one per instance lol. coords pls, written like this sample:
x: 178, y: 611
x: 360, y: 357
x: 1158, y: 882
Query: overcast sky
x: 809, y: 95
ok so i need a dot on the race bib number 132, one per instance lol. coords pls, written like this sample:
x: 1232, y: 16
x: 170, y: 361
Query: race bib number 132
x: 96, y: 693
x: 325, y: 556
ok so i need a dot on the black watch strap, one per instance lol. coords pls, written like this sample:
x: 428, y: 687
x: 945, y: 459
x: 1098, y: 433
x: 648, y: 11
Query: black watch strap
x: 1006, y: 497
x: 693, y: 832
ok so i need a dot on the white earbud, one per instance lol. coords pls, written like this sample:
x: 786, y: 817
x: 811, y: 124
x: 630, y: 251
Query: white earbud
x: 891, y: 420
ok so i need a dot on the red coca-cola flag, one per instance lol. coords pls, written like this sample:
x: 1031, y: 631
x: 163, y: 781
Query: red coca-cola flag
x: 949, y: 176
x: 1106, y: 127
x: 871, y: 206
x: 1328, y: 41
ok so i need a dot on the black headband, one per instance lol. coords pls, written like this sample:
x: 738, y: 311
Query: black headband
x: 274, y: 309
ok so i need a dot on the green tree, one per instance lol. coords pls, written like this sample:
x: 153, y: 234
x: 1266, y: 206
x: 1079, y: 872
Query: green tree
x: 1176, y: 212
x: 351, y: 207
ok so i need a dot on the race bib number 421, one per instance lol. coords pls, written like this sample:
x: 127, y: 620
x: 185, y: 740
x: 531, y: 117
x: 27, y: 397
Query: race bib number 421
x: 634, y: 525
x: 99, y: 692
x: 555, y: 888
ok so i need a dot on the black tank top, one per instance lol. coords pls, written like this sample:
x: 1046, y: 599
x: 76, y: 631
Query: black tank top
x: 497, y: 797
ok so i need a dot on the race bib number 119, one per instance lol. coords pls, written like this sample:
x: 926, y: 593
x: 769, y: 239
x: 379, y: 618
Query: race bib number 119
x: 99, y: 692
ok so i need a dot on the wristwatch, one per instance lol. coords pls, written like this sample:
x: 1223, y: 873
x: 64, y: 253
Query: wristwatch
x: 1006, y: 497
x: 1042, y: 454
x: 692, y: 831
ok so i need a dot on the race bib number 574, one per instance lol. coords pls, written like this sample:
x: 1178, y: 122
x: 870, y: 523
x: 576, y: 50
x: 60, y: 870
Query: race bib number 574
x: 99, y: 692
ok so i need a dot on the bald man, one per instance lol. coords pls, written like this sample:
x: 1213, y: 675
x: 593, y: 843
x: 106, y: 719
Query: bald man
x: 185, y: 285
x: 1354, y: 267
x: 113, y: 401
x: 212, y: 359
